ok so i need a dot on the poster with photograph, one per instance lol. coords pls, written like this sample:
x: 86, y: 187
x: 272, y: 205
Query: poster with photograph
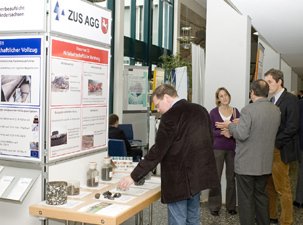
x: 78, y: 98
x: 136, y: 88
x: 20, y: 105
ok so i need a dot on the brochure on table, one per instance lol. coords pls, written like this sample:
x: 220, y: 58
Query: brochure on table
x: 15, y: 183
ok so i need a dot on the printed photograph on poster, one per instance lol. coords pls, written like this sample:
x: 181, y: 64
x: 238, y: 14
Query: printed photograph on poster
x: 65, y: 134
x: 87, y: 141
x: 135, y: 92
x: 60, y: 83
x: 94, y: 87
x: 16, y: 88
x: 65, y: 82
x: 93, y: 127
x: 59, y: 136
x: 94, y: 77
x: 20, y: 81
x: 19, y: 132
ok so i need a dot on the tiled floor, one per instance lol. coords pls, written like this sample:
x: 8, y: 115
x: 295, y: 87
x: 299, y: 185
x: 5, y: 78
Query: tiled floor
x: 160, y: 210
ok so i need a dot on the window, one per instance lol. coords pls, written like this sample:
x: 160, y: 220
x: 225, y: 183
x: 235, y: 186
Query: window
x: 155, y: 33
x: 140, y: 20
x: 167, y: 25
x: 127, y: 18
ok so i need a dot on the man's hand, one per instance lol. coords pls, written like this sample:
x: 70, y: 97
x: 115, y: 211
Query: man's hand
x: 226, y: 133
x: 125, y: 182
x: 223, y: 124
x: 235, y: 121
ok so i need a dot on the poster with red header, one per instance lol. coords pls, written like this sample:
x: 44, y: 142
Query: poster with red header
x: 78, y: 84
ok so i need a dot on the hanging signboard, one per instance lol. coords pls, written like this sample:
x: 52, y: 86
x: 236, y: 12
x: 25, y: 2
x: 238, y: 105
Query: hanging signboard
x: 20, y: 16
x: 21, y: 66
x: 78, y: 98
x: 80, y: 19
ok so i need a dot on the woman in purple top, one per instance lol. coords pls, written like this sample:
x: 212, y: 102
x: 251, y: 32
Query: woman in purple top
x: 224, y: 149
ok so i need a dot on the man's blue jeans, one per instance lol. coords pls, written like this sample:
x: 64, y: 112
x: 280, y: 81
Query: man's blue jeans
x: 186, y: 212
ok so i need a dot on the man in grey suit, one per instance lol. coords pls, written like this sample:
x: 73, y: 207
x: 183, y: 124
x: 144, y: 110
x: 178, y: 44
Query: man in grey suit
x: 256, y: 133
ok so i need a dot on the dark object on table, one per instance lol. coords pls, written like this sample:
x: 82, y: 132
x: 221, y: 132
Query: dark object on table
x: 117, y: 195
x: 107, y: 194
x: 97, y: 195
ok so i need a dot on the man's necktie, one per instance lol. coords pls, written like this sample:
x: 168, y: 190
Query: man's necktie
x: 273, y: 99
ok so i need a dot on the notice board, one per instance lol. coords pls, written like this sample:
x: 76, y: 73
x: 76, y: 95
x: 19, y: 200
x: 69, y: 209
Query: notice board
x: 21, y: 66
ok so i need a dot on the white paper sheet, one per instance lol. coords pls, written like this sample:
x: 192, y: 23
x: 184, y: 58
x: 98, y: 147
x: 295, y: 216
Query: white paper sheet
x: 102, y: 208
x: 70, y: 204
x: 146, y: 185
x: 4, y: 183
x: 132, y: 191
x: 19, y: 188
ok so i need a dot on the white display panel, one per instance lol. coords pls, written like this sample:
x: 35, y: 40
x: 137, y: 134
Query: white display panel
x: 21, y: 66
x: 20, y: 15
x: 78, y: 84
x: 81, y: 20
x: 135, y: 87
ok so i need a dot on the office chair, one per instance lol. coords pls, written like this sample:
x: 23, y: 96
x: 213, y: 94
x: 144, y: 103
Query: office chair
x: 116, y: 147
x: 128, y: 130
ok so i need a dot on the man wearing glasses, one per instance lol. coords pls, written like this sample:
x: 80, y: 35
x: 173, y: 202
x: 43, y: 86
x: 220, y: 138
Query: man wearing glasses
x: 184, y: 148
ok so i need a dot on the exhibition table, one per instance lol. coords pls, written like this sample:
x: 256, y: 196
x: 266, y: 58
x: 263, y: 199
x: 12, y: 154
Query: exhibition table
x: 86, y: 208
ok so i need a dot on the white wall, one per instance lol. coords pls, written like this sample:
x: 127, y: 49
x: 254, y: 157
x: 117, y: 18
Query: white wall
x: 286, y: 69
x: 296, y: 82
x: 227, y: 54
x: 12, y: 212
x: 118, y: 60
x: 271, y: 57
x: 227, y: 59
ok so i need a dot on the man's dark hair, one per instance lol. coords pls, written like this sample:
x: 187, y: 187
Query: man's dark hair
x: 163, y: 89
x: 113, y: 118
x: 260, y: 88
x: 276, y: 75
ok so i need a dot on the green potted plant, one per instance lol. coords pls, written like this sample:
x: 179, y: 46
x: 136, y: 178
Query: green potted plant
x: 169, y: 62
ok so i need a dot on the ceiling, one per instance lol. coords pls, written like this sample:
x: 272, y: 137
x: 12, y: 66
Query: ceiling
x: 280, y: 23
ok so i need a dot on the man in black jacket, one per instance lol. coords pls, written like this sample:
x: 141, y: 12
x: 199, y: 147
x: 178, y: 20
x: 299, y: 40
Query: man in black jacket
x: 184, y: 147
x: 115, y: 133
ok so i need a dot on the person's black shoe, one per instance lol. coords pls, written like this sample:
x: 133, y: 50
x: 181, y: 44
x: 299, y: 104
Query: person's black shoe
x: 232, y: 212
x: 297, y: 204
x: 273, y: 220
x: 214, y: 213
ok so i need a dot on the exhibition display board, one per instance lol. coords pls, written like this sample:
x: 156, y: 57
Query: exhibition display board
x: 78, y: 98
x: 21, y: 106
x: 70, y: 113
x: 54, y: 63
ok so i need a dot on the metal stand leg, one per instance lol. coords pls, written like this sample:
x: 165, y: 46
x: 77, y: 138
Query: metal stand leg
x: 141, y: 217
x: 136, y: 219
x: 151, y: 214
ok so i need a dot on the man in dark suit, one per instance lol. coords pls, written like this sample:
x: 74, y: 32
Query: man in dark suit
x: 256, y: 133
x: 184, y: 148
x: 115, y: 133
x: 286, y: 148
x: 299, y: 190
